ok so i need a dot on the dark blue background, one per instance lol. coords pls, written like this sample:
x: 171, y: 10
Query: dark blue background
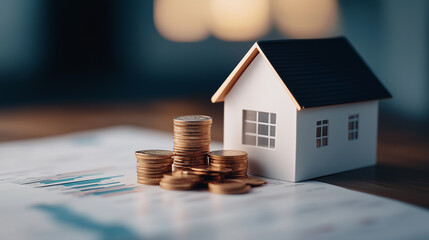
x: 98, y: 51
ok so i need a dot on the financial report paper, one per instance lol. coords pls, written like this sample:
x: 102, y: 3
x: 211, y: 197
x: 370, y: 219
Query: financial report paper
x: 83, y: 186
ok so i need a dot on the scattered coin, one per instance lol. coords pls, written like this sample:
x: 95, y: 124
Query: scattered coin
x: 252, y: 181
x: 228, y: 187
x: 179, y: 182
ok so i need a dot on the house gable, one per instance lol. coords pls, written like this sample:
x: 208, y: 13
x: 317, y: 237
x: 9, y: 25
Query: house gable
x: 227, y: 85
x: 258, y: 89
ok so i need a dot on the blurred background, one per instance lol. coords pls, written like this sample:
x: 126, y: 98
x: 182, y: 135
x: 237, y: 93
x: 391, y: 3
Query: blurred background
x: 78, y: 51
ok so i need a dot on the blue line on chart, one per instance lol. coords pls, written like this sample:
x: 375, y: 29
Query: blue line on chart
x: 81, y: 182
x: 114, y: 191
x: 47, y: 181
x: 90, y: 189
x: 93, y: 185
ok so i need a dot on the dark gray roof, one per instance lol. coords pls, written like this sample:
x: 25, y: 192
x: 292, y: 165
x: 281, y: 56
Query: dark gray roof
x: 320, y: 72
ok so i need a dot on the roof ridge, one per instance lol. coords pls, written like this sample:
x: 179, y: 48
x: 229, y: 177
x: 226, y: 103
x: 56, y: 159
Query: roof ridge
x: 301, y: 40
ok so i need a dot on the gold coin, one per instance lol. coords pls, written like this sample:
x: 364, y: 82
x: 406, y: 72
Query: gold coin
x: 195, y: 119
x: 228, y: 160
x: 189, y: 158
x: 191, y: 144
x: 139, y: 170
x: 253, y: 181
x: 154, y: 166
x: 189, y: 163
x: 195, y: 134
x: 242, y: 190
x: 194, y: 160
x: 149, y: 181
x: 167, y: 186
x: 232, y: 163
x: 154, y: 153
x: 228, y: 187
x: 192, y: 140
x: 232, y: 166
x: 208, y: 169
x: 180, y: 178
x: 228, y: 153
x: 154, y: 169
x: 227, y: 184
x: 203, y: 149
x: 181, y: 166
x: 200, y: 130
x: 189, y: 139
x: 155, y: 162
x: 150, y: 175
x: 177, y: 185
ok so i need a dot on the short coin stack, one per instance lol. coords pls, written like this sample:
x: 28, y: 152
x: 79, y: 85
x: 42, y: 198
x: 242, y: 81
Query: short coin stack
x: 235, y: 160
x: 152, y: 165
x: 192, y: 136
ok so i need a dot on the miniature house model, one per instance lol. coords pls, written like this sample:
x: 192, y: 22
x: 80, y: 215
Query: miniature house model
x: 302, y: 108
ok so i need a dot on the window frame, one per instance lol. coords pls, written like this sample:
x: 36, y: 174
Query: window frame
x: 353, y: 127
x: 322, y: 130
x: 270, y: 127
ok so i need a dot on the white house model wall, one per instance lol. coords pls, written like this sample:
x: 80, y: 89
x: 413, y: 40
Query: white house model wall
x: 260, y: 89
x: 341, y: 153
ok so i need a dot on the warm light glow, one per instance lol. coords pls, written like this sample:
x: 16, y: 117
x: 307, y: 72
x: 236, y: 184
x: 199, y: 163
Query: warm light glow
x: 182, y: 20
x: 239, y: 20
x: 306, y: 18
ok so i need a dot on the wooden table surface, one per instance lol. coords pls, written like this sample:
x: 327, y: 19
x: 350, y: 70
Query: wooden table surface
x: 402, y: 171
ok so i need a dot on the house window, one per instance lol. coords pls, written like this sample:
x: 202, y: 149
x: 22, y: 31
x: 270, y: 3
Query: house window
x: 322, y: 133
x: 259, y: 129
x: 353, y: 126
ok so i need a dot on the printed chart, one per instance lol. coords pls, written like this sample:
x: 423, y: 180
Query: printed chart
x: 83, y: 186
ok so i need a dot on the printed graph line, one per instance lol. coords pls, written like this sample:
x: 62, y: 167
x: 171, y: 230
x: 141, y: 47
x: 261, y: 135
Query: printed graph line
x: 82, y: 183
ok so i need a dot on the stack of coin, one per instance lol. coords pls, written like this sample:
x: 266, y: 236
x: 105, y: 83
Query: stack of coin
x: 152, y: 165
x: 179, y: 182
x: 192, y: 136
x: 236, y: 160
x: 228, y: 187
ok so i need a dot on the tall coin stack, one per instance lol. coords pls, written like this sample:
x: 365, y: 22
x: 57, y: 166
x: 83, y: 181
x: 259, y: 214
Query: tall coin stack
x: 236, y: 160
x: 192, y: 136
x: 152, y: 165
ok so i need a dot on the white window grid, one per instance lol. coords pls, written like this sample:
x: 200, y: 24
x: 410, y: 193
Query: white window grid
x: 322, y: 133
x: 271, y: 139
x: 353, y: 126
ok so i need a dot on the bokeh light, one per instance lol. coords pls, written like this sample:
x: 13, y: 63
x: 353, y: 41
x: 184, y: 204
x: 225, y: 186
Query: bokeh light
x: 306, y: 18
x: 182, y: 20
x: 239, y: 20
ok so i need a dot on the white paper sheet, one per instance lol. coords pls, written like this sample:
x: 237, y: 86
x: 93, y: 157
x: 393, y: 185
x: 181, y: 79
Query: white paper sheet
x: 83, y: 186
